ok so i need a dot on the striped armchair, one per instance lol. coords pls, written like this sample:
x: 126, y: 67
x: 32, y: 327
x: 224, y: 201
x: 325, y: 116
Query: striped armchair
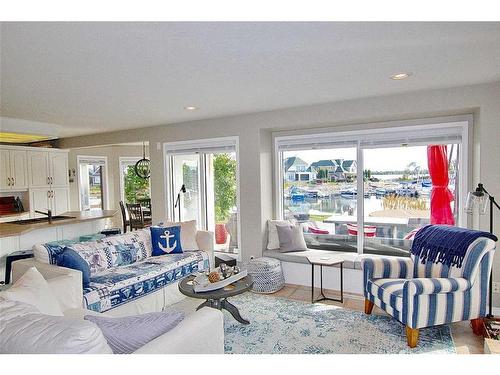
x: 424, y: 295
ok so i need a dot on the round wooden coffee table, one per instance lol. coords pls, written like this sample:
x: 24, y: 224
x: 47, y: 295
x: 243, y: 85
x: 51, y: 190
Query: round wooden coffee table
x: 217, y: 299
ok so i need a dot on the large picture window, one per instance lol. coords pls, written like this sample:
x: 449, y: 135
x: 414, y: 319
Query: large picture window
x: 369, y: 191
x: 208, y: 171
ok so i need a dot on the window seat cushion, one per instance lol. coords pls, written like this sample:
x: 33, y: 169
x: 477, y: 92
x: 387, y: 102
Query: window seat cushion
x: 351, y: 260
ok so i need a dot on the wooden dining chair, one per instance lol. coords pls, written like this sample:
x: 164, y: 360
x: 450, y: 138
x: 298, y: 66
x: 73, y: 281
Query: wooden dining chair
x: 125, y: 220
x: 146, y: 204
x: 136, y: 217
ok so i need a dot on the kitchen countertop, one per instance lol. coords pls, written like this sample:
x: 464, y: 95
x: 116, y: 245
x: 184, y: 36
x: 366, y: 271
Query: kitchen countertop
x: 12, y: 229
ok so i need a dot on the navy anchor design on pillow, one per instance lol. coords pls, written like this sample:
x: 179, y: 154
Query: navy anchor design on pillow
x: 166, y: 240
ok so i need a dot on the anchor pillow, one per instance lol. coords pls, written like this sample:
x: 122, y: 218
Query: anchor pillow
x: 166, y: 240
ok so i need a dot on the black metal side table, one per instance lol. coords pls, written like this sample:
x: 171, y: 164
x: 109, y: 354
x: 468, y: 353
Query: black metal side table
x: 12, y: 257
x: 327, y: 261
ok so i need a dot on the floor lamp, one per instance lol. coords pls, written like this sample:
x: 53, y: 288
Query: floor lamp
x: 477, y: 201
x: 178, y: 200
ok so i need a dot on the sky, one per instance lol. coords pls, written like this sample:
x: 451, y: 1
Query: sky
x: 380, y: 159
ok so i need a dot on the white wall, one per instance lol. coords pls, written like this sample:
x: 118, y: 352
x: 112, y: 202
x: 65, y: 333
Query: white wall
x: 255, y: 132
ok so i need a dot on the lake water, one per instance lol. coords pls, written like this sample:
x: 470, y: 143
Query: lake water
x: 334, y: 205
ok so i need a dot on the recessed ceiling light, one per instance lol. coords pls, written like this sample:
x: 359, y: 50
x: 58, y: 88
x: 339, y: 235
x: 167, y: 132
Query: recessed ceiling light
x: 191, y: 108
x: 400, y: 76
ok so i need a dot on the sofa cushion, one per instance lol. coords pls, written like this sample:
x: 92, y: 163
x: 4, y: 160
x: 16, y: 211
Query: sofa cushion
x: 140, y: 239
x: 120, y: 250
x: 166, y: 240
x: 48, y: 252
x: 389, y: 291
x: 188, y: 234
x: 126, y: 335
x: 33, y: 289
x: 119, y: 285
x: 24, y: 330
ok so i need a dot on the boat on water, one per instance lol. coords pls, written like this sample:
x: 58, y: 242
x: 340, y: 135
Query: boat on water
x: 296, y: 194
x: 353, y: 193
x: 348, y: 194
x: 426, y: 183
x: 299, y: 194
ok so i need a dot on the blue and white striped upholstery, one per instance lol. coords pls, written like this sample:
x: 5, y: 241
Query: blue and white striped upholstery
x: 423, y: 295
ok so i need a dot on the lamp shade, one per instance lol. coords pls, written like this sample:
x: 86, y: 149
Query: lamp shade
x: 477, y: 202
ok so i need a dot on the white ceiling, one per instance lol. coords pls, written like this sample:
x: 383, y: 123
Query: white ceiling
x: 96, y: 77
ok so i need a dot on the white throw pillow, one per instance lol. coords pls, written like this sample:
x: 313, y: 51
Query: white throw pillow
x: 23, y: 330
x: 273, y: 241
x: 34, y: 290
x: 188, y: 234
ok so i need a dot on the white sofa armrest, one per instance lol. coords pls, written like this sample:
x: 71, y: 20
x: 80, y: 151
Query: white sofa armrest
x: 199, y: 333
x: 206, y: 242
x: 65, y: 283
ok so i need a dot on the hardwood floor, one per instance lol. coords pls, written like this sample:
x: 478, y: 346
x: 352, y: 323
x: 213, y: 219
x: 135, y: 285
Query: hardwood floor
x: 465, y: 341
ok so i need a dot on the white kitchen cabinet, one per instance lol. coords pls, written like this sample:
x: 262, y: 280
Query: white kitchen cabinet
x: 59, y: 201
x: 13, y: 169
x: 19, y: 169
x: 4, y: 169
x: 54, y: 199
x: 58, y: 169
x: 48, y: 168
x: 39, y: 201
x: 38, y: 169
x: 43, y: 172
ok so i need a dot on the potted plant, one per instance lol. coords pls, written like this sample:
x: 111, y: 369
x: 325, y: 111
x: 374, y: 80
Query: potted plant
x: 225, y: 193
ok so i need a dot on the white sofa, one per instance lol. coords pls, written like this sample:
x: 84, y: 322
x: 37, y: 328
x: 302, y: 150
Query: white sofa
x: 200, y: 332
x: 100, y: 298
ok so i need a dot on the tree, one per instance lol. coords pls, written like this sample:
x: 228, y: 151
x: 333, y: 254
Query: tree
x: 224, y: 186
x: 321, y: 174
x: 135, y: 187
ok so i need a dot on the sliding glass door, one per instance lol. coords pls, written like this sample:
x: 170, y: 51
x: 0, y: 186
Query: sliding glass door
x: 369, y: 192
x: 203, y: 186
x: 187, y: 172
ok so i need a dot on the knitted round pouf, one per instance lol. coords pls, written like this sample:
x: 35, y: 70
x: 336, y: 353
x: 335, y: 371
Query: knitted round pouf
x: 267, y: 275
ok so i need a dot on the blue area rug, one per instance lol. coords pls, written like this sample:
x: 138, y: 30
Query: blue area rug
x: 283, y: 326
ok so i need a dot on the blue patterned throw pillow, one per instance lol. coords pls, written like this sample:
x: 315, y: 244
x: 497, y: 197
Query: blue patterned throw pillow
x: 71, y: 259
x: 166, y: 240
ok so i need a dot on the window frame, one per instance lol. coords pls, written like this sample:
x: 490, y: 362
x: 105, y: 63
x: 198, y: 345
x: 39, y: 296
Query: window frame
x: 359, y: 133
x: 80, y: 159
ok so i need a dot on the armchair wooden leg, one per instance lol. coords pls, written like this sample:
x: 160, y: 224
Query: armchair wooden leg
x: 477, y: 326
x: 412, y: 337
x: 368, y: 306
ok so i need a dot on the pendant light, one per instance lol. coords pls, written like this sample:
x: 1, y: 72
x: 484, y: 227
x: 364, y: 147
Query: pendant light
x: 143, y: 167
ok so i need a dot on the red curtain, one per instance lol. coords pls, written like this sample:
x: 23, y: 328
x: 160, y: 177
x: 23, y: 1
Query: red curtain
x: 441, y: 196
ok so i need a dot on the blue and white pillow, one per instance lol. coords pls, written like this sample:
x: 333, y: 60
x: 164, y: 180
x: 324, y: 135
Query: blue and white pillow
x: 69, y: 258
x: 166, y: 240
